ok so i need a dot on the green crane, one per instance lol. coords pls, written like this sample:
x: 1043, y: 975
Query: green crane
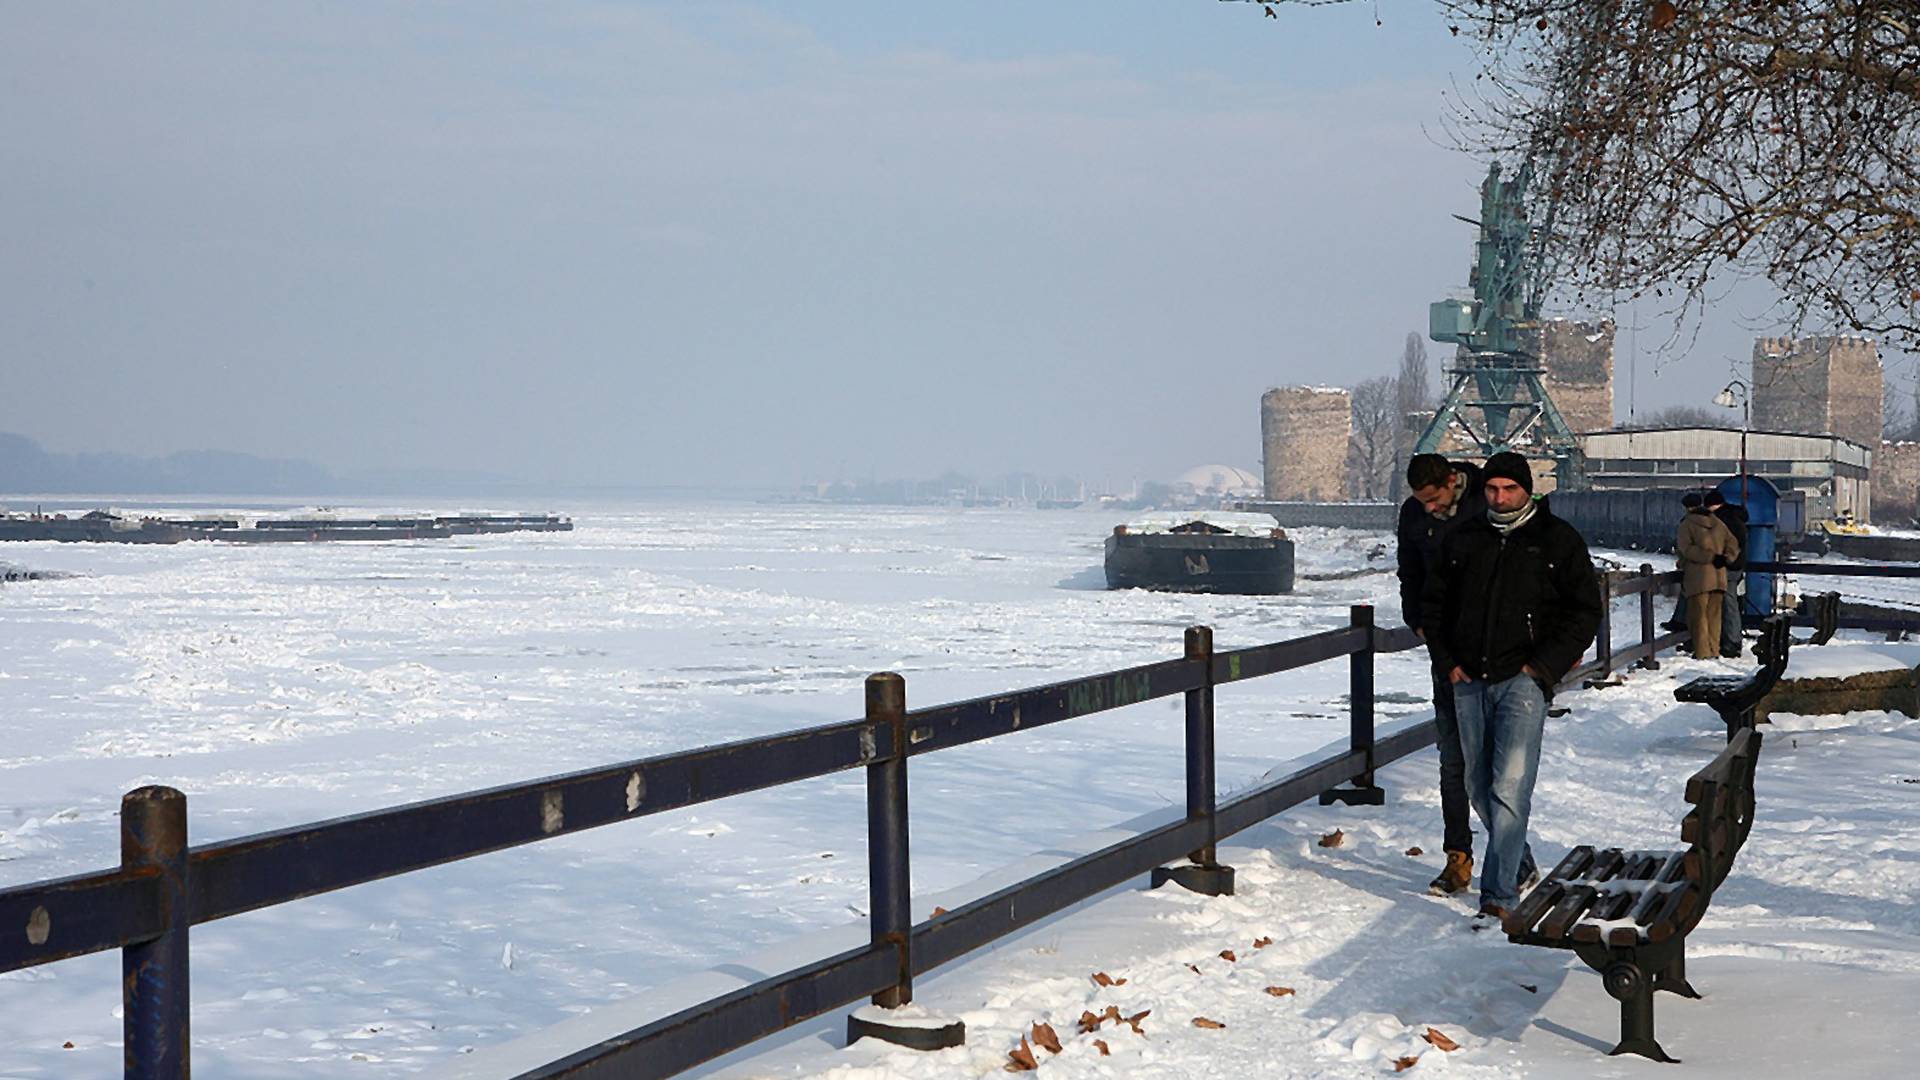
x: 1495, y: 398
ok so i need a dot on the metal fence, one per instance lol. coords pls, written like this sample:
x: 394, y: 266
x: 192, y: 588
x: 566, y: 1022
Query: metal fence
x: 146, y: 906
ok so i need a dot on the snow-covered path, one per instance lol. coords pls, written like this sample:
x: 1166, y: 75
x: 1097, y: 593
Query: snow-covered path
x: 1810, y: 955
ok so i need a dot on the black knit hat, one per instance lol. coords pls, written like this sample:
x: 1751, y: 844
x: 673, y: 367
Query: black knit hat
x: 1691, y: 500
x: 1508, y: 465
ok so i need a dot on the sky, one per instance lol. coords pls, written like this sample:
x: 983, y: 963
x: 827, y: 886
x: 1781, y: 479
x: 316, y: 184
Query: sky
x: 729, y: 244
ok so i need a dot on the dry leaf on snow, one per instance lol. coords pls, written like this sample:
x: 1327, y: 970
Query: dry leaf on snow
x: 1280, y: 991
x: 1103, y: 979
x: 1089, y: 1023
x: 1333, y: 839
x: 1439, y: 1039
x: 1195, y: 968
x: 1022, y: 1058
x: 1405, y: 1063
x: 1227, y: 955
x: 1203, y: 1022
x: 1043, y: 1035
x: 1102, y: 1044
x: 937, y: 912
x: 1414, y: 852
x: 1262, y: 942
x: 1134, y: 1020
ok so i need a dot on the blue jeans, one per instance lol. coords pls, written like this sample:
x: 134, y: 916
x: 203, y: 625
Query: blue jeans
x: 1458, y: 831
x: 1500, y: 728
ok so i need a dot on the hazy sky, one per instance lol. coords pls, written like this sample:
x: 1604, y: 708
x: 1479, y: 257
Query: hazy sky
x: 730, y: 243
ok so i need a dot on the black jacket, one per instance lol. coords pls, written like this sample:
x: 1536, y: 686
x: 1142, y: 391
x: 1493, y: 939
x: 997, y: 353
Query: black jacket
x: 1501, y: 603
x: 1421, y: 535
x: 1735, y: 518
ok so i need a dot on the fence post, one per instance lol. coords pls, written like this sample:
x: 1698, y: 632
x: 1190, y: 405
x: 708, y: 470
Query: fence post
x: 1651, y: 661
x: 154, y: 993
x: 889, y: 881
x: 1204, y: 874
x: 1360, y: 698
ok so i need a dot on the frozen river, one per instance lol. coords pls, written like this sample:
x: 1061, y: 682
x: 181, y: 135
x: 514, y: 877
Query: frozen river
x: 282, y: 684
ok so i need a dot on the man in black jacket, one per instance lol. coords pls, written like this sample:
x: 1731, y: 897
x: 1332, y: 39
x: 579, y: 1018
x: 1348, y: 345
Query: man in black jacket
x: 1445, y: 496
x: 1512, y: 605
x: 1734, y: 517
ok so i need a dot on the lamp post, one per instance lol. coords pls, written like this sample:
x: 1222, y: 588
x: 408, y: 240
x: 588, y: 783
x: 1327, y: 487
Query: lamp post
x: 1726, y: 400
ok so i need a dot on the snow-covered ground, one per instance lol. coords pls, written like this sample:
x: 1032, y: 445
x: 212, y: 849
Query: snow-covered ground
x: 286, y: 684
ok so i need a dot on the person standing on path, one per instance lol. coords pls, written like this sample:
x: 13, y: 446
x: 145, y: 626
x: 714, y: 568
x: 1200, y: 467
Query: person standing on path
x: 1703, y: 547
x: 1446, y: 495
x: 1734, y: 517
x: 1512, y: 605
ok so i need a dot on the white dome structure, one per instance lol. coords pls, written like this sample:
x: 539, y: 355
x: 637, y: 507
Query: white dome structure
x: 1221, y: 480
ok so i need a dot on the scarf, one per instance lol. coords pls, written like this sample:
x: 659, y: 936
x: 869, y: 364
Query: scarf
x: 1505, y: 522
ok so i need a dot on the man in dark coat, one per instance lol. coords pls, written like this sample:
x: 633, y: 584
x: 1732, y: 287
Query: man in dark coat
x: 1512, y: 605
x: 1734, y: 517
x: 1445, y: 496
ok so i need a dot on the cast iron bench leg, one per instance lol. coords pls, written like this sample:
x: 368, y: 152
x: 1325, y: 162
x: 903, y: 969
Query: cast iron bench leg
x: 1674, y: 978
x: 1629, y: 985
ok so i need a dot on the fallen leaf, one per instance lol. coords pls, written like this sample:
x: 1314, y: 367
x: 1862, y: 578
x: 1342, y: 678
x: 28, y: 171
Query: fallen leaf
x: 1022, y: 1058
x: 1280, y: 991
x: 1043, y: 1035
x: 1227, y: 955
x: 1102, y: 1045
x: 1333, y: 839
x: 1530, y: 988
x: 1193, y: 968
x: 1414, y: 853
x: 1104, y: 979
x: 1134, y: 1020
x: 1203, y: 1022
x: 1439, y: 1039
x: 1664, y: 14
x: 937, y: 912
x: 1089, y: 1023
x: 1405, y: 1063
x: 1262, y: 942
x: 66, y: 1046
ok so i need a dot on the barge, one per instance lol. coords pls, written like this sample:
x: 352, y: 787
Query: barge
x: 1212, y: 551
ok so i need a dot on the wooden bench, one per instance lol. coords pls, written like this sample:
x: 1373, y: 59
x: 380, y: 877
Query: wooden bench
x: 1626, y: 914
x: 1824, y: 610
x: 1735, y: 697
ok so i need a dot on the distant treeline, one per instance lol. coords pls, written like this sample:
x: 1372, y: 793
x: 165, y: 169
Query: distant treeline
x: 26, y: 467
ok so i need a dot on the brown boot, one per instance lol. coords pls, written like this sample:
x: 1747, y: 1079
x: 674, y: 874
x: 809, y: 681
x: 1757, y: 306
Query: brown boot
x: 1457, y: 875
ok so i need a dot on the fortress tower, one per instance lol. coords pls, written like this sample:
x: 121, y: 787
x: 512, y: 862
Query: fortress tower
x: 1818, y: 384
x: 1303, y: 438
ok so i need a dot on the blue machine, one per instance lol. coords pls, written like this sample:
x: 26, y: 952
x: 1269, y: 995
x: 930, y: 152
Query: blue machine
x: 1762, y: 502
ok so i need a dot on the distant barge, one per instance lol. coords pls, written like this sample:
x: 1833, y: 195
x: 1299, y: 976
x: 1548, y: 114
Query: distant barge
x: 1212, y: 552
x: 100, y: 526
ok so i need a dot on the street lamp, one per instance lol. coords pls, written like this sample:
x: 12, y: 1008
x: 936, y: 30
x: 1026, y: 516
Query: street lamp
x: 1726, y: 400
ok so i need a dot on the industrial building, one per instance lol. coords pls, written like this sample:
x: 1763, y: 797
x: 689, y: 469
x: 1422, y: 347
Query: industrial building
x: 1832, y: 472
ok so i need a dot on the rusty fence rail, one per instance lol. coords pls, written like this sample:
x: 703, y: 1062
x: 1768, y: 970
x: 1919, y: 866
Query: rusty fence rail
x: 162, y: 887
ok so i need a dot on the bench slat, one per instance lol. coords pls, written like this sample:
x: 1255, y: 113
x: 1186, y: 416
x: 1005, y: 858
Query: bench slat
x: 1543, y: 896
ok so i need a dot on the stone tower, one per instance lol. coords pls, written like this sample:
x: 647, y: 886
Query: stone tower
x: 1578, y: 357
x: 1303, y: 439
x: 1818, y: 384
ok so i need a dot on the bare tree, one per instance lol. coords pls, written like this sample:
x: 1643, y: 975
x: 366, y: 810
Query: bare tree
x: 1370, y: 450
x: 1676, y: 145
x: 1412, y: 393
x: 1678, y: 416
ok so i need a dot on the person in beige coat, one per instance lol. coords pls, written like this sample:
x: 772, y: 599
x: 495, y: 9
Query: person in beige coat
x: 1704, y: 547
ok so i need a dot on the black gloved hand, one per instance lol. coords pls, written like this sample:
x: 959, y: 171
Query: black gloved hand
x: 1720, y: 561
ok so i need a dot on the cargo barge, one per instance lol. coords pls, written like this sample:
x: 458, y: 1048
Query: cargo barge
x: 1213, y: 552
x: 101, y: 526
